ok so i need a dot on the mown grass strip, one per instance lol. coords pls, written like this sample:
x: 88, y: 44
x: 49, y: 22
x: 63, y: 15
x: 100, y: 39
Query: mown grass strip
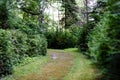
x: 33, y: 66
x: 83, y: 68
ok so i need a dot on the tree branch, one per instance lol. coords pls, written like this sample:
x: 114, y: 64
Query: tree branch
x: 29, y: 12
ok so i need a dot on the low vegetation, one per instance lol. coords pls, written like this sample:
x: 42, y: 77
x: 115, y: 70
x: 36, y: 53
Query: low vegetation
x: 15, y: 46
x: 61, y: 39
x: 28, y: 66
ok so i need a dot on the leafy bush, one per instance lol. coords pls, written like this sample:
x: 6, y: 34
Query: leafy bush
x: 61, y: 39
x: 98, y: 41
x: 19, y: 42
x: 113, y: 68
x: 12, y: 48
x: 15, y: 45
x: 37, y: 45
x: 84, y: 32
x: 105, y: 39
x: 6, y: 50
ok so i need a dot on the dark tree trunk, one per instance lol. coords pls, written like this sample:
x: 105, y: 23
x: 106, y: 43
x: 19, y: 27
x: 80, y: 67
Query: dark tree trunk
x: 3, y: 15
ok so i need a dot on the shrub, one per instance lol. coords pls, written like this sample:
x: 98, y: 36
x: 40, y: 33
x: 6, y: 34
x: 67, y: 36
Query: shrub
x: 98, y: 42
x: 84, y: 32
x: 6, y: 51
x: 16, y: 45
x: 13, y: 46
x: 61, y: 39
x: 19, y: 40
x: 37, y: 45
x: 105, y: 39
x: 113, y: 67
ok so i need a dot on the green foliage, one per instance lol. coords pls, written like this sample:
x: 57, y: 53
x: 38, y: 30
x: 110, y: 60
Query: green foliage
x: 3, y: 16
x: 70, y: 10
x: 84, y: 32
x: 61, y: 39
x: 15, y: 45
x: 11, y: 48
x: 19, y: 40
x: 98, y: 41
x: 37, y: 45
x: 105, y: 39
x: 27, y: 25
x: 6, y: 50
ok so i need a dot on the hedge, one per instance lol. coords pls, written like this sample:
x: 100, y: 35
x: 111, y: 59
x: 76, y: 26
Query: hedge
x: 61, y: 39
x: 15, y: 45
x: 6, y: 51
x: 37, y: 45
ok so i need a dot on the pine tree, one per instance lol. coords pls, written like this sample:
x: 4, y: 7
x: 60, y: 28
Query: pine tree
x: 70, y: 9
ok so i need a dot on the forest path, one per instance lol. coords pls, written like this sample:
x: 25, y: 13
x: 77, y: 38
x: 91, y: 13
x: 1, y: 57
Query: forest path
x: 60, y: 64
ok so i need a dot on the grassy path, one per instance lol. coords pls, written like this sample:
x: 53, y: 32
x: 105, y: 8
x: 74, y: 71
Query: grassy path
x: 56, y: 69
x: 83, y: 69
x: 59, y: 65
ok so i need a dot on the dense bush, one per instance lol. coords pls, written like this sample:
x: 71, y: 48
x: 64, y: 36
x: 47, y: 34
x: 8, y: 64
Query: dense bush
x: 6, y: 50
x: 37, y: 45
x: 15, y: 45
x: 113, y: 68
x: 61, y: 39
x: 105, y: 39
x: 84, y: 32
x: 99, y: 41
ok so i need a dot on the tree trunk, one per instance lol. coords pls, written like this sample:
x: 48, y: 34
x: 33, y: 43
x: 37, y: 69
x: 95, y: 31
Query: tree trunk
x: 3, y: 15
x: 86, y: 12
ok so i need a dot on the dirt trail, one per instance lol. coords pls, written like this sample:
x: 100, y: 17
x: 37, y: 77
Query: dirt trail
x: 56, y: 69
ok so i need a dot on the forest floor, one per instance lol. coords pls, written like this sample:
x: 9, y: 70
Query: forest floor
x: 60, y: 65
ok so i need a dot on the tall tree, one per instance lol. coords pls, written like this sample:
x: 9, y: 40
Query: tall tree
x: 33, y: 9
x: 70, y: 16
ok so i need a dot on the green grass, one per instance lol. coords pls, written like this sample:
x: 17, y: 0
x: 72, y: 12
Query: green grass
x: 33, y: 66
x: 82, y: 69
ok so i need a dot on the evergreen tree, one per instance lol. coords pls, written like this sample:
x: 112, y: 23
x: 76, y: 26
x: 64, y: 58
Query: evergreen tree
x: 70, y: 16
